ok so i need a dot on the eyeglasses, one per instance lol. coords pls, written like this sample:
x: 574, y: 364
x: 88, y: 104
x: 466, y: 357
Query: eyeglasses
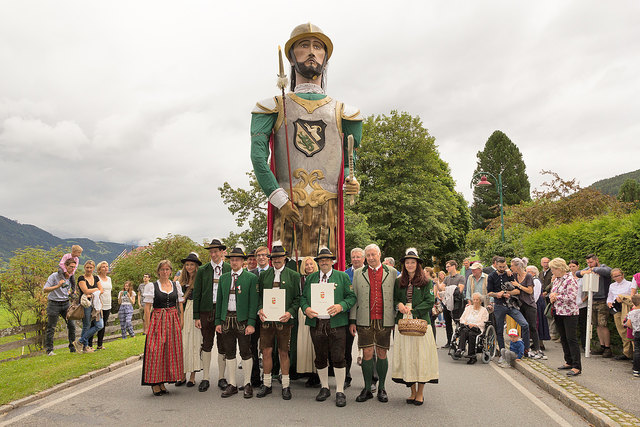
x: 616, y: 276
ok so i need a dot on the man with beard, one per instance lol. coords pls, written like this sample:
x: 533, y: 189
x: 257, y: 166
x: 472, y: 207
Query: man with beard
x: 316, y: 128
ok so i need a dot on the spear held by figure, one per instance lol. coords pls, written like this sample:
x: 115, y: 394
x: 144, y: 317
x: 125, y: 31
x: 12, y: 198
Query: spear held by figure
x: 282, y: 84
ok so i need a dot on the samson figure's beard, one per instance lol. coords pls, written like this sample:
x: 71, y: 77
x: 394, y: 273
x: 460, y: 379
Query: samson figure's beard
x: 309, y: 72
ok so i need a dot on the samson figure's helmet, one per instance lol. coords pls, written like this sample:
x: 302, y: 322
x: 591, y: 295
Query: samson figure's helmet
x: 300, y: 32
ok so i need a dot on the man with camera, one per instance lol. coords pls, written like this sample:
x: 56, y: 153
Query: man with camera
x: 505, y: 301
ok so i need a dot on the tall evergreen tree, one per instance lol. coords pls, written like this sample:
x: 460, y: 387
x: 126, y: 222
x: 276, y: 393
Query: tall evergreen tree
x: 407, y: 192
x: 500, y: 155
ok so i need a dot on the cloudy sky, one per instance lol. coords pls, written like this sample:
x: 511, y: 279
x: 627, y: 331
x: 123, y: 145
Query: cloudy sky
x: 119, y: 119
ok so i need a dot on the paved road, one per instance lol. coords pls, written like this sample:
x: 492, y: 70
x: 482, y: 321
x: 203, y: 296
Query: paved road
x: 467, y: 395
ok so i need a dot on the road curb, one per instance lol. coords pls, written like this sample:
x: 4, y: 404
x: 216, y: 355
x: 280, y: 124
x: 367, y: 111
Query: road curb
x: 576, y: 397
x: 6, y: 408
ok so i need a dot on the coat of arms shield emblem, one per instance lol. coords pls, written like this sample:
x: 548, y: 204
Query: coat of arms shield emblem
x: 309, y: 136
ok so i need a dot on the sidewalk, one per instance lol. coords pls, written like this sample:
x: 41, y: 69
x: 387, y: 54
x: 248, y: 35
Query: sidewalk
x: 605, y: 394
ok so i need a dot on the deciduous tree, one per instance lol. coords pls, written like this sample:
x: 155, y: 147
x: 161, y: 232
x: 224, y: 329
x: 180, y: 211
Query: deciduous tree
x: 407, y: 192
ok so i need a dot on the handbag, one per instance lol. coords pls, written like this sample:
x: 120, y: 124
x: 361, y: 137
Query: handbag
x: 548, y: 311
x: 85, y: 301
x: 75, y: 312
x: 412, y: 327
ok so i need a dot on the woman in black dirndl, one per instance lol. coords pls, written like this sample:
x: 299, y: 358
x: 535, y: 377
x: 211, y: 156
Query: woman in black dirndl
x: 163, y: 359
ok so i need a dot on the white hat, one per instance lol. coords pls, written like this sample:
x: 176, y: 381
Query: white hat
x: 513, y: 332
x: 476, y: 265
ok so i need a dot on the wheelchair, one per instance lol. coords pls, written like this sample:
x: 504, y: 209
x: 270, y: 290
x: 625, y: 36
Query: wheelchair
x: 486, y: 343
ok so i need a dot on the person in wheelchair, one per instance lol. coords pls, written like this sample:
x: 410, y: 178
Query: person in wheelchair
x: 472, y: 324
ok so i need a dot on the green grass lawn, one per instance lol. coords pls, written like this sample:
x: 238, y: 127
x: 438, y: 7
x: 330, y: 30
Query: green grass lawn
x: 28, y: 376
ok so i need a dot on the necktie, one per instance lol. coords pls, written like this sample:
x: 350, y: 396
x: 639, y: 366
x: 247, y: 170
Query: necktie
x: 324, y: 277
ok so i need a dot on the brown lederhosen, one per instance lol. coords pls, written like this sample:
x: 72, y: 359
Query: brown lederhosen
x: 269, y: 331
x: 375, y: 334
x: 233, y: 330
x: 328, y: 340
x: 207, y: 320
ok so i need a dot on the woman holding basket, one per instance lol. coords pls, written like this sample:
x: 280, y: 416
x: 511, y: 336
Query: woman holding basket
x: 415, y: 361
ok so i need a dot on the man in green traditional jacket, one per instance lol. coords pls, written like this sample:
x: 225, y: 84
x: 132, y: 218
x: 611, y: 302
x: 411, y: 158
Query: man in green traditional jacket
x: 236, y: 319
x: 278, y: 277
x: 205, y: 292
x: 329, y: 333
x: 317, y: 127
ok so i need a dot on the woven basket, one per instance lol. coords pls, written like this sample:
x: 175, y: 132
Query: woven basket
x: 412, y: 327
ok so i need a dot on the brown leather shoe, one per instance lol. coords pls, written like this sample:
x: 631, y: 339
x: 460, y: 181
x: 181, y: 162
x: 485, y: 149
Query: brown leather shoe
x: 230, y: 391
x: 248, y: 391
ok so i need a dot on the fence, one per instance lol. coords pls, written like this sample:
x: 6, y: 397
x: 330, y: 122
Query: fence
x: 113, y: 325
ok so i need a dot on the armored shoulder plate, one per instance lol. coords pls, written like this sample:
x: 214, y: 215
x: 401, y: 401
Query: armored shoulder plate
x: 351, y: 113
x: 267, y: 106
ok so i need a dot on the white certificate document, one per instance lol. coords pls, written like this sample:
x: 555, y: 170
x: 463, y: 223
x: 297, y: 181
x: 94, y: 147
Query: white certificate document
x: 321, y: 299
x: 273, y: 304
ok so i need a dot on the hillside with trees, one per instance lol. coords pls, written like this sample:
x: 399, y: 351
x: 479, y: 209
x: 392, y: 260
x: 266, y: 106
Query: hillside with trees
x: 612, y: 185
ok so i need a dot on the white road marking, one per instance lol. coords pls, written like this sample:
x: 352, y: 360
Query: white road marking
x: 547, y: 410
x: 69, y: 396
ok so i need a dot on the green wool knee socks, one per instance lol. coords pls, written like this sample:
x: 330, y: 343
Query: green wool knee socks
x: 382, y: 365
x: 367, y: 373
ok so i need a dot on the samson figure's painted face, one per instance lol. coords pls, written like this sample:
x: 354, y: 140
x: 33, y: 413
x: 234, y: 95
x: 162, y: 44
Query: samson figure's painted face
x: 309, y: 54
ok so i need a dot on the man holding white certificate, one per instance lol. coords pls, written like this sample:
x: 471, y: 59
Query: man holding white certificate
x: 325, y: 302
x: 279, y: 289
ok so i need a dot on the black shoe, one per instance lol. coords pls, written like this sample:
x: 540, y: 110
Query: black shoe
x: 447, y: 345
x: 248, y: 391
x: 229, y: 391
x: 607, y: 353
x: 222, y: 384
x: 364, y: 395
x: 190, y: 383
x: 341, y: 400
x: 597, y: 351
x: 411, y: 401
x: 458, y: 353
x: 472, y: 360
x: 204, y: 385
x: 564, y: 367
x: 347, y: 382
x: 621, y: 357
x: 180, y: 383
x: 573, y: 373
x: 382, y: 396
x: 286, y: 393
x: 418, y: 402
x: 156, y: 393
x: 264, y: 390
x: 323, y: 394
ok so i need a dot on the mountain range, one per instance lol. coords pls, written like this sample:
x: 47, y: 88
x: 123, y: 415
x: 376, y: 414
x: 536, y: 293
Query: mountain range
x: 612, y: 185
x: 14, y: 235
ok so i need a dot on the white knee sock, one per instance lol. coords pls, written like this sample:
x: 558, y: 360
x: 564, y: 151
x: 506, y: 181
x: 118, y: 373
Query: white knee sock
x: 206, y: 364
x: 267, y: 380
x: 324, y: 376
x: 285, y: 381
x: 222, y: 364
x: 341, y: 374
x: 247, y: 365
x: 231, y: 378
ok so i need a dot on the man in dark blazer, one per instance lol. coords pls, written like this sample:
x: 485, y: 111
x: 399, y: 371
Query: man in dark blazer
x: 205, y: 291
x: 236, y: 318
x: 280, y: 277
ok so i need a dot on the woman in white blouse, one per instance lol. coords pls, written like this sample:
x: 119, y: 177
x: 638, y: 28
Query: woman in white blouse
x: 471, y: 325
x: 105, y: 297
x: 163, y: 359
